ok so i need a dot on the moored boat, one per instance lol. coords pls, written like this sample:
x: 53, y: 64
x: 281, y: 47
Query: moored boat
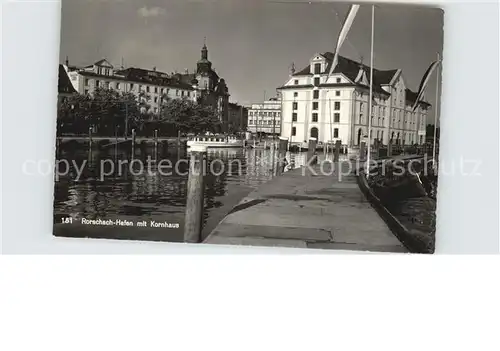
x: 215, y: 141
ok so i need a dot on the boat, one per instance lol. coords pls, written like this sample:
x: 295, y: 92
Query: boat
x: 215, y: 141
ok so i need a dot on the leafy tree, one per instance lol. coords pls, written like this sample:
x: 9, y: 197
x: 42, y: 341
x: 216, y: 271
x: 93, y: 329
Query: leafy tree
x: 188, y: 116
x: 105, y: 111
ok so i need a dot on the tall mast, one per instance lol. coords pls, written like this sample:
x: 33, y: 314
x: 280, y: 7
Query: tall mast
x: 436, y: 114
x: 370, y: 97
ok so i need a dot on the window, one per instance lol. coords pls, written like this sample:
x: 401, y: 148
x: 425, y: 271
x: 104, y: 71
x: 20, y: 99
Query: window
x: 117, y: 85
x: 156, y: 90
x: 251, y: 113
x: 315, y: 117
x: 86, y: 91
x: 314, y: 132
x: 189, y: 94
x: 278, y: 114
x: 168, y: 91
x: 182, y: 93
x: 360, y: 118
x: 335, y: 132
x: 315, y: 105
x: 131, y: 86
x: 378, y: 121
x: 317, y: 68
x: 274, y: 114
x: 315, y: 94
x: 316, y: 81
x: 337, y: 105
x: 294, y: 117
x: 295, y: 105
x: 140, y: 87
x: 336, y: 117
x: 147, y: 89
x: 269, y: 122
x: 177, y: 93
x: 361, y: 106
x: 86, y: 81
x: 295, y: 94
x: 337, y: 92
x: 156, y: 99
x: 106, y: 85
x: 296, y: 82
x: 338, y: 80
x: 294, y: 131
x: 265, y: 114
x: 97, y: 84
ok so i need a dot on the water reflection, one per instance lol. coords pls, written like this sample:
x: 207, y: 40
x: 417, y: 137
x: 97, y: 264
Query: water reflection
x: 113, y: 184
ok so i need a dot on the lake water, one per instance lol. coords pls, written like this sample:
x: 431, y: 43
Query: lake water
x: 132, y: 195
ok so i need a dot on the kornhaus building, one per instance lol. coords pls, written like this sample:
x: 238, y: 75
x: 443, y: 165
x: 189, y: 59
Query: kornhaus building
x: 337, y: 108
x: 265, y: 117
x: 204, y: 85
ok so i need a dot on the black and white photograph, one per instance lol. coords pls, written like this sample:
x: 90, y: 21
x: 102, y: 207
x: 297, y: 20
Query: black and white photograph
x: 290, y: 124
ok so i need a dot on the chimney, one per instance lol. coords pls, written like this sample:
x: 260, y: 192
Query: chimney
x: 292, y: 69
x: 154, y: 69
x: 186, y: 71
x: 67, y: 61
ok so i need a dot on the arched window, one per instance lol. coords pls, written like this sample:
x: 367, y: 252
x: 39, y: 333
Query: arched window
x: 314, y: 132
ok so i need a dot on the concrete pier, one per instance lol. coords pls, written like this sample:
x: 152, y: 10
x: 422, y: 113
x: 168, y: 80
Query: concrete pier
x: 303, y: 210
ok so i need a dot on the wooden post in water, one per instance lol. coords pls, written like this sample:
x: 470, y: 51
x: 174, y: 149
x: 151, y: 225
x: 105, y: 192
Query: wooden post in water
x: 133, y: 142
x: 336, y: 156
x: 193, y: 223
x: 90, y: 136
x: 282, y: 148
x: 362, y: 150
x: 311, y: 150
x: 156, y: 143
x: 376, y: 146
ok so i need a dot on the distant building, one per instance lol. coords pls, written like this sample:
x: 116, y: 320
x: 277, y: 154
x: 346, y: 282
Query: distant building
x: 64, y: 86
x: 211, y: 89
x: 152, y: 85
x: 238, y: 117
x: 265, y: 117
x: 337, y: 109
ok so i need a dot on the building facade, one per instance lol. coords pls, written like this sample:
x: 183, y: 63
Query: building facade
x: 149, y: 85
x: 238, y: 117
x: 265, y: 117
x: 336, y: 107
x: 64, y: 86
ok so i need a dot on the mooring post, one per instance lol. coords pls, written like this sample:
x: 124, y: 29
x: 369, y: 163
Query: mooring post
x: 336, y: 156
x: 133, y: 142
x: 193, y: 223
x: 362, y: 150
x: 90, y: 136
x: 282, y: 147
x: 311, y: 150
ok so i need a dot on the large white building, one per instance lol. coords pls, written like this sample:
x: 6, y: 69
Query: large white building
x: 265, y: 117
x: 151, y: 83
x: 337, y: 108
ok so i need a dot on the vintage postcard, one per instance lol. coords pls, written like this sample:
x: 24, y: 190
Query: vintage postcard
x: 297, y: 124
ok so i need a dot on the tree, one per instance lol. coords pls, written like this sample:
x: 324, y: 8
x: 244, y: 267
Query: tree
x: 105, y: 111
x: 187, y: 116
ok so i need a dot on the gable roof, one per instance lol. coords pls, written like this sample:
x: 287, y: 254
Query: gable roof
x: 64, y: 85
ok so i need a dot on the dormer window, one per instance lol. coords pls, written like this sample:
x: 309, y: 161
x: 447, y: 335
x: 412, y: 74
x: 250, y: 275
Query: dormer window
x: 317, y: 68
x: 338, y: 80
x: 296, y: 82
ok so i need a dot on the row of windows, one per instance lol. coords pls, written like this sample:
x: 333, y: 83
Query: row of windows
x: 265, y: 114
x: 118, y: 86
x: 251, y: 121
x: 314, y: 132
x: 316, y: 81
x: 336, y: 117
x: 336, y: 106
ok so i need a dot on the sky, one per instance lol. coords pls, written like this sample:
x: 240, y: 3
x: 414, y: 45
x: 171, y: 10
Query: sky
x: 251, y: 43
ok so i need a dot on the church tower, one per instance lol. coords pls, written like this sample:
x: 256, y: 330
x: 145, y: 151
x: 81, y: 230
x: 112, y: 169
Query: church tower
x: 204, y: 66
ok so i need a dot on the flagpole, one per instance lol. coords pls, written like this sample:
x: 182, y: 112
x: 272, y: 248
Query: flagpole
x: 435, y: 114
x: 371, y: 96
